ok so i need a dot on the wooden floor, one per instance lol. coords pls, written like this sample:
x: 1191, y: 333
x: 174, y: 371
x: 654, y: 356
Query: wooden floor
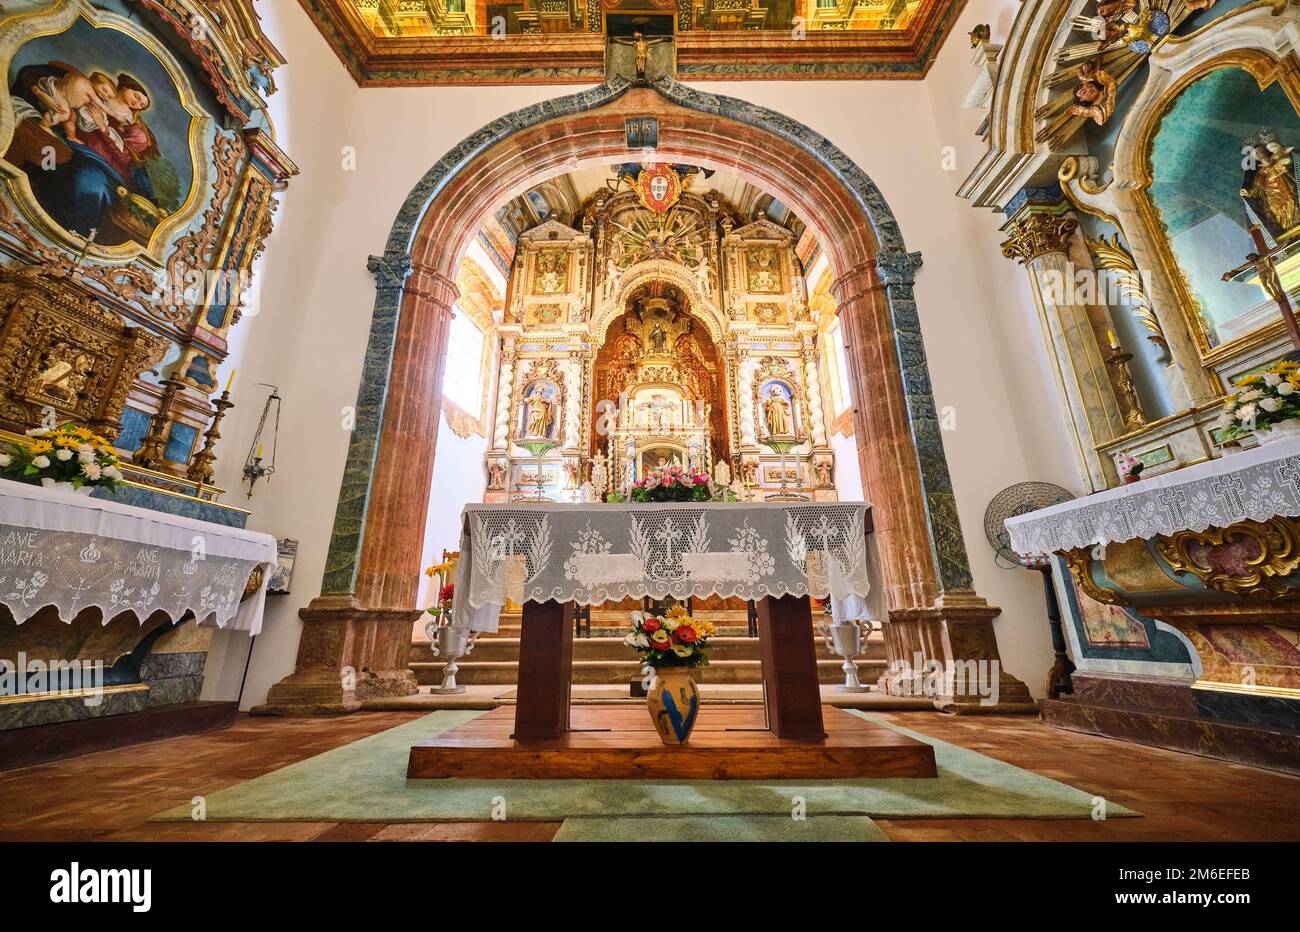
x: 620, y: 742
x: 110, y: 795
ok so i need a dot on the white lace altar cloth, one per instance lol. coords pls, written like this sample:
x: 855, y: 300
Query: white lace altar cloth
x: 591, y: 554
x: 73, y: 552
x: 1258, y: 484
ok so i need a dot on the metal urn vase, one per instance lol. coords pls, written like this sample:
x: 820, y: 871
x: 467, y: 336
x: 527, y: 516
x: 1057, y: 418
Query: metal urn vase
x: 674, y: 702
x: 452, y: 643
x: 845, y: 639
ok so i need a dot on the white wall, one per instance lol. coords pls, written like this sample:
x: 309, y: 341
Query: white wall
x: 317, y: 297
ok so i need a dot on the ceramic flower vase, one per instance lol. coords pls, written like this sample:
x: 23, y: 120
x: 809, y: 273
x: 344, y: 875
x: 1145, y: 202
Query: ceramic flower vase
x: 674, y: 702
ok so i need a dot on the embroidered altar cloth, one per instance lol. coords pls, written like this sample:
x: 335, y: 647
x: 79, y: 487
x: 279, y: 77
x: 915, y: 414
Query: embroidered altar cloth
x: 1258, y: 484
x: 597, y: 553
x: 73, y: 552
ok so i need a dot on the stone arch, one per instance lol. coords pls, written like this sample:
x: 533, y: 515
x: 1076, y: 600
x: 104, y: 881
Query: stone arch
x: 903, y: 465
x: 372, y: 569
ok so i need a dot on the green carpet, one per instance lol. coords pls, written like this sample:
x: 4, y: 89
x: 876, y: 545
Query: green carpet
x: 365, y: 781
x: 722, y: 828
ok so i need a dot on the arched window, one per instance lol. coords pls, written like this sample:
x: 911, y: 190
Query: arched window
x: 462, y: 382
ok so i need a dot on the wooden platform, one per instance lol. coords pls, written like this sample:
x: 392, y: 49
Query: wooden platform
x: 619, y: 742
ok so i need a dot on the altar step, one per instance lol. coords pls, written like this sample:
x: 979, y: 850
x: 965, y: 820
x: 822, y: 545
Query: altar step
x: 609, y: 660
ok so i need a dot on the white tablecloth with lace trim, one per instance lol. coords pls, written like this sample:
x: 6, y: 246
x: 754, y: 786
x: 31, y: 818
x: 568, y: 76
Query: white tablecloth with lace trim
x: 74, y: 552
x: 1258, y: 484
x: 589, y: 554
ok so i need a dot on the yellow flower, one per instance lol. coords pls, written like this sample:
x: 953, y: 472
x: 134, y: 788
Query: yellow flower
x: 40, y: 446
x: 705, y: 629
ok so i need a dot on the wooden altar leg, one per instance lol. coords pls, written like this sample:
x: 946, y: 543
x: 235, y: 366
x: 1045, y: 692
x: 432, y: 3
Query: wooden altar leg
x: 545, y: 668
x: 794, y: 699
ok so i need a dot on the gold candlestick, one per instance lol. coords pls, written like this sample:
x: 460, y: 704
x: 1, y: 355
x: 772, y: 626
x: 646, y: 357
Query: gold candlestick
x: 1118, y: 361
x: 201, y: 466
x: 153, y: 448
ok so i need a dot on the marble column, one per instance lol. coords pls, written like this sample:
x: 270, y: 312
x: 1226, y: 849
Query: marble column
x: 813, y: 392
x: 355, y: 643
x: 501, y: 412
x: 934, y: 615
x: 1038, y: 235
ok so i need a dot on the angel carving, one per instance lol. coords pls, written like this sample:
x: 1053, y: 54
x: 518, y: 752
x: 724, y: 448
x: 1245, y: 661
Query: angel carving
x: 1094, y: 97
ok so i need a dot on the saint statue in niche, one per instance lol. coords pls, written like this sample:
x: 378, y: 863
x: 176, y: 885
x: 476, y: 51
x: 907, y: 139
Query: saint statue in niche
x: 540, y: 414
x: 659, y: 339
x: 777, y: 411
x: 1269, y: 185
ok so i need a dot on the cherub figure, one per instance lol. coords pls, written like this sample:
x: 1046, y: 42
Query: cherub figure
x: 75, y: 101
x: 1094, y: 97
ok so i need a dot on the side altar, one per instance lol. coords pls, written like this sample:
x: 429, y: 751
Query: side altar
x: 551, y: 557
x: 1204, y: 564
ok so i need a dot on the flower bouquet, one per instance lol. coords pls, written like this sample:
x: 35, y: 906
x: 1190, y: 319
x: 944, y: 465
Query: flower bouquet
x: 446, y: 640
x: 671, y: 644
x: 673, y: 483
x: 68, y: 456
x: 1266, y: 404
x: 441, y: 609
x: 674, y: 639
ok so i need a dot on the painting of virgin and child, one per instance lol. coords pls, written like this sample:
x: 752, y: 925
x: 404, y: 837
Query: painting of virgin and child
x: 101, y: 133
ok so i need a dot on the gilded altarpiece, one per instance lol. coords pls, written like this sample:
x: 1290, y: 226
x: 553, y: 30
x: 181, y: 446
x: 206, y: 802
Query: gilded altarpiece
x: 638, y: 337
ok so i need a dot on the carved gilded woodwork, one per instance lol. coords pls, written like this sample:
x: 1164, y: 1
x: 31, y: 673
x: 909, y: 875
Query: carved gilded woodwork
x: 1248, y: 559
x: 61, y: 351
x: 1114, y: 258
x: 1036, y: 234
x: 1079, y: 560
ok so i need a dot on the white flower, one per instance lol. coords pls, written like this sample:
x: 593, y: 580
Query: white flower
x: 641, y: 640
x: 112, y: 472
x: 1285, y: 389
x: 86, y: 456
x: 6, y: 459
x: 41, y: 462
x: 38, y: 431
x: 1270, y: 404
x: 63, y: 455
x: 670, y: 625
x: 91, y: 470
x: 1246, y: 412
x: 1250, y: 395
x: 1271, y: 378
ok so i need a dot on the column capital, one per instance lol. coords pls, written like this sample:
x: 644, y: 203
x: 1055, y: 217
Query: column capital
x: 894, y: 269
x: 390, y: 270
x: 427, y: 283
x: 1037, y: 229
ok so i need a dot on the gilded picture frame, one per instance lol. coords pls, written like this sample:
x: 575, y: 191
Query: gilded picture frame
x: 144, y: 229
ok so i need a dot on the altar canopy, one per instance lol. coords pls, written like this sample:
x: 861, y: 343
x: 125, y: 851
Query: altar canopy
x: 1254, y: 484
x: 599, y: 553
x: 74, y: 552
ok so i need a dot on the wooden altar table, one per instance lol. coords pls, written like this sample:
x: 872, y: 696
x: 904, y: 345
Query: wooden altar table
x: 775, y: 549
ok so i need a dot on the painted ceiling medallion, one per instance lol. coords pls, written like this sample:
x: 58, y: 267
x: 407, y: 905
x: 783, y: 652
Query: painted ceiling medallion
x: 658, y: 187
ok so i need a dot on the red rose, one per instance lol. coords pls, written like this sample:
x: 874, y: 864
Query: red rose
x: 650, y: 626
x: 685, y: 635
x: 666, y: 645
